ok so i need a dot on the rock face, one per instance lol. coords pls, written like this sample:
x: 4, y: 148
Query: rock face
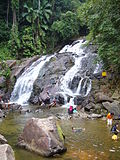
x: 18, y: 70
x: 42, y: 136
x: 6, y: 152
x: 112, y: 107
x: 50, y: 74
x: 78, y: 100
x: 101, y: 97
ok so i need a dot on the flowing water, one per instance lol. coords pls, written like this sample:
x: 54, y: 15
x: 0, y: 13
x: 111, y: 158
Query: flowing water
x: 81, y: 67
x: 74, y: 83
x: 24, y: 84
x: 94, y: 143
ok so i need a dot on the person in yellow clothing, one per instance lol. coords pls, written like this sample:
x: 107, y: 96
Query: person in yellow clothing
x: 114, y: 137
x: 110, y: 118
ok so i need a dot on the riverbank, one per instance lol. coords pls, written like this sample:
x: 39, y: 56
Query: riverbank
x: 93, y: 143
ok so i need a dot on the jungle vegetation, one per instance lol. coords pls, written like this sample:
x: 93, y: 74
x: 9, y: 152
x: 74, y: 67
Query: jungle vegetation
x: 32, y: 27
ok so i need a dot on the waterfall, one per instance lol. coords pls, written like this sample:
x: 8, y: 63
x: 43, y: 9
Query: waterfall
x: 84, y: 82
x: 24, y: 84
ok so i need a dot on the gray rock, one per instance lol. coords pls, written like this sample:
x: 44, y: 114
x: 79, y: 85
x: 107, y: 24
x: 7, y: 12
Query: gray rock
x: 112, y: 107
x: 89, y: 106
x: 2, y: 140
x: 74, y: 83
x: 42, y: 136
x: 116, y: 95
x: 92, y: 116
x: 78, y: 100
x: 18, y: 70
x: 6, y: 152
x: 2, y: 81
x: 60, y: 99
x: 101, y: 97
x: 49, y: 76
x: 45, y: 97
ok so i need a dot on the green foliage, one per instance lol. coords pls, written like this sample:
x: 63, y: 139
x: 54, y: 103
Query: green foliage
x: 103, y: 21
x: 4, y: 52
x: 67, y: 27
x: 14, y: 42
x: 28, y: 48
x: 15, y: 4
x: 5, y: 70
x: 4, y: 31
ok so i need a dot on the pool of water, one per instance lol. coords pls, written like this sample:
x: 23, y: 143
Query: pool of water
x: 94, y: 143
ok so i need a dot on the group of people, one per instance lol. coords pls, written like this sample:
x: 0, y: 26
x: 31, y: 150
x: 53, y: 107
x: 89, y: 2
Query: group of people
x: 114, y: 128
x: 71, y: 110
x: 110, y: 117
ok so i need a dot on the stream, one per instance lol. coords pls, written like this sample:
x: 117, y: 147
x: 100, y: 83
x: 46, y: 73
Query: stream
x: 93, y: 143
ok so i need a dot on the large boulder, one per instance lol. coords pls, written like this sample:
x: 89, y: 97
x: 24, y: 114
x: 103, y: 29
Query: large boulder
x: 6, y: 152
x: 42, y: 136
x: 101, y: 97
x: 112, y: 107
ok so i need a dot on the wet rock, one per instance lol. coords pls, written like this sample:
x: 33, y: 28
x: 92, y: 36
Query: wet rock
x: 34, y: 100
x: 60, y: 99
x: 112, y: 107
x: 45, y: 97
x: 6, y: 152
x: 51, y: 73
x: 89, y: 106
x: 18, y: 70
x: 101, y: 97
x: 15, y: 107
x: 24, y: 111
x: 92, y: 116
x: 3, y: 140
x: 78, y: 100
x: 74, y: 83
x: 42, y: 136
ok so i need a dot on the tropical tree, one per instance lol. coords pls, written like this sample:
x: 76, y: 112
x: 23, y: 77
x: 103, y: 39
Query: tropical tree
x: 38, y: 16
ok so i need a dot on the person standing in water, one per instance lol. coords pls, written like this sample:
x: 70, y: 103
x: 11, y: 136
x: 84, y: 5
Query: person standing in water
x: 115, y: 130
x: 110, y: 118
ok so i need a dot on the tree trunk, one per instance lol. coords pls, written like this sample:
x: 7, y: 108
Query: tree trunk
x: 14, y: 17
x: 8, y: 11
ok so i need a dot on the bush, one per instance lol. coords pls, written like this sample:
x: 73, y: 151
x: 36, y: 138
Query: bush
x: 67, y: 27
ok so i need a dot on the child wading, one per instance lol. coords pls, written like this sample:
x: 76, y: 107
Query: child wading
x: 110, y: 118
x: 115, y: 130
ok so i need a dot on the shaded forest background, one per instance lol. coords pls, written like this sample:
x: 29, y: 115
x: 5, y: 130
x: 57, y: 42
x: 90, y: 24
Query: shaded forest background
x: 34, y: 27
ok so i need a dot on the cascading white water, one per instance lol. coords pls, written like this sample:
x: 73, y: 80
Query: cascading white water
x: 84, y: 85
x: 24, y: 84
